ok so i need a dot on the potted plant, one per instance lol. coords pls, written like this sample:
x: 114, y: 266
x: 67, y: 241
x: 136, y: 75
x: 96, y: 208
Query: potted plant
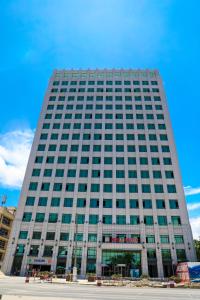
x: 91, y: 277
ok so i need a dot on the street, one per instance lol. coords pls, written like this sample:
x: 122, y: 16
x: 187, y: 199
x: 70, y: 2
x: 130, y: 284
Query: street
x: 16, y: 286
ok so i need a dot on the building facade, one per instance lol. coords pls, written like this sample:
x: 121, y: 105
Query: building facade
x: 102, y: 189
x: 7, y: 215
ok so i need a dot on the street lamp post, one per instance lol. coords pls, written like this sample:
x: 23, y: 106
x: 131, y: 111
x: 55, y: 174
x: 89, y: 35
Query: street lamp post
x: 74, y: 271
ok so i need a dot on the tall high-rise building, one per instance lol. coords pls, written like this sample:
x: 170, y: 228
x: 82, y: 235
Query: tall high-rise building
x: 102, y: 189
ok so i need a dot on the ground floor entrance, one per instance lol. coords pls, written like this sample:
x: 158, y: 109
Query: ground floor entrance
x: 16, y: 266
x: 125, y: 263
x: 39, y: 268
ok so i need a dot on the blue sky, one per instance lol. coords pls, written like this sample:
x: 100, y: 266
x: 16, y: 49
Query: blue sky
x: 39, y: 36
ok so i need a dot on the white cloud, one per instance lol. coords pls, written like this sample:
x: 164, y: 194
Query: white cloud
x: 189, y: 190
x: 14, y: 152
x: 195, y: 224
x: 193, y: 206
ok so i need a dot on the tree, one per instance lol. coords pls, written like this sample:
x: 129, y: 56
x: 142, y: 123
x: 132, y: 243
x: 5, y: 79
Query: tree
x: 197, y: 248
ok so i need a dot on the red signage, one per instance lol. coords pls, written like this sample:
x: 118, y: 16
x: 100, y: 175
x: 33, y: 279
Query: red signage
x: 125, y: 240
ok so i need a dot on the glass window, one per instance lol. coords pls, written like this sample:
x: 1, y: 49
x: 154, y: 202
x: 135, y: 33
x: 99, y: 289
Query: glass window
x: 30, y: 201
x: 133, y: 203
x: 108, y: 160
x: 160, y: 204
x: 144, y: 174
x: 131, y: 160
x: 95, y: 187
x: 71, y: 173
x: 59, y: 173
x: 121, y: 219
x: 146, y: 188
x: 45, y: 186
x: 70, y: 187
x: 64, y: 236
x: 120, y: 160
x: 147, y: 204
x: 107, y: 188
x: 133, y: 188
x: 80, y: 219
x: 97, y: 148
x: 120, y: 188
x: 27, y: 217
x: 48, y: 172
x: 33, y: 186
x: 179, y: 239
x: 94, y: 203
x: 57, y: 187
x: 171, y: 188
x: 83, y: 173
x: 42, y: 201
x: 143, y: 160
x: 92, y: 237
x: 151, y: 253
x: 38, y: 159
x: 158, y: 188
x: 82, y: 187
x: 23, y: 235
x: 107, y: 173
x: 108, y: 148
x: 162, y: 220
x: 68, y: 202
x: 107, y: 219
x: 50, y: 236
x: 164, y: 239
x: 53, y: 218
x: 93, y: 219
x: 134, y: 220
x: 148, y: 220
x: 150, y: 239
x: 66, y: 218
x: 155, y: 161
x: 39, y: 217
x: 181, y: 255
x: 48, y: 251
x: 176, y: 220
x: 81, y: 202
x: 173, y: 204
x: 132, y: 174
x: 55, y: 201
x: 120, y: 203
x: 36, y: 235
x: 96, y: 173
x: 157, y: 174
x: 166, y: 254
x: 107, y: 203
x: 36, y: 172
x: 120, y: 174
x: 85, y: 148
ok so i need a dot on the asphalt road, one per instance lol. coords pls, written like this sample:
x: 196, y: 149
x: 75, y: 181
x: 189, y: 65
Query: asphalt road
x: 17, y: 286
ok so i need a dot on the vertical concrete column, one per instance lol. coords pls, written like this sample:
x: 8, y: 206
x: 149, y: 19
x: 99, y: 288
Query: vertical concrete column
x: 69, y: 258
x: 24, y: 261
x: 159, y: 263
x: 54, y: 258
x: 145, y: 270
x: 98, y: 261
x: 84, y: 261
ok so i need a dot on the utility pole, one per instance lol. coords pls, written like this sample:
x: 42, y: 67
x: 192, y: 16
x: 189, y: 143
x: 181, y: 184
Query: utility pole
x: 3, y: 199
